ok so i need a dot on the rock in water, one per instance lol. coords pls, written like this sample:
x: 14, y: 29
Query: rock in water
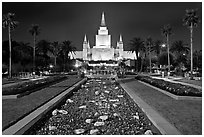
x: 89, y: 120
x: 54, y: 112
x: 63, y: 112
x: 105, y: 117
x: 79, y: 131
x: 93, y: 131
x: 52, y: 127
x: 99, y: 124
x: 148, y: 132
x: 82, y: 107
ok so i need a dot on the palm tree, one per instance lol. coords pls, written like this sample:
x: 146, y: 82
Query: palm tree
x: 137, y: 46
x: 9, y: 23
x: 149, y: 44
x: 180, y: 50
x: 167, y: 31
x: 66, y: 49
x: 191, y: 20
x: 25, y: 53
x: 35, y: 31
x: 178, y: 47
x: 43, y: 48
x: 56, y: 48
x: 157, y: 47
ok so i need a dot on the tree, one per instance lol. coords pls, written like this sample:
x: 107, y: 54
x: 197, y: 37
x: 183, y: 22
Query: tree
x: 43, y: 48
x: 35, y: 31
x: 167, y: 31
x: 191, y: 20
x: 56, y: 48
x: 66, y: 49
x: 197, y: 59
x: 9, y: 23
x: 25, y: 53
x: 157, y: 47
x: 179, y: 48
x: 149, y: 43
x: 137, y: 46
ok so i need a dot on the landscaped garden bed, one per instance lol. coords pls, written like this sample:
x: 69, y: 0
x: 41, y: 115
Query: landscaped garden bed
x: 100, y: 107
x: 174, y: 88
x: 32, y: 86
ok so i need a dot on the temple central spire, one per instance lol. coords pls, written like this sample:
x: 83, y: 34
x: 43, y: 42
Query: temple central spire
x: 103, y: 20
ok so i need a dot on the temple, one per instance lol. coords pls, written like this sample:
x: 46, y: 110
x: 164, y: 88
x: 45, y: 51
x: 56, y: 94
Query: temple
x: 103, y: 50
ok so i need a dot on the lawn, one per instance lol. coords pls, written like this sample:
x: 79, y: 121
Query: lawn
x: 185, y: 115
x: 15, y: 109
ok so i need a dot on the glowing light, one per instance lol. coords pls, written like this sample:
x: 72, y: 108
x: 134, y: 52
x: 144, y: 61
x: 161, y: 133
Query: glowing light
x: 163, y: 45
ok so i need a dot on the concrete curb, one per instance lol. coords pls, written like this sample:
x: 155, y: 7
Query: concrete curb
x: 159, y: 122
x: 24, y: 124
x: 172, y: 95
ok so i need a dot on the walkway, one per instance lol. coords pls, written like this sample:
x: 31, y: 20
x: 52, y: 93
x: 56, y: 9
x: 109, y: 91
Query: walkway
x: 186, y: 116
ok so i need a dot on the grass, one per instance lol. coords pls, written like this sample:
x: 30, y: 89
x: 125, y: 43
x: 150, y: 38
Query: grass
x: 185, y: 115
x: 15, y: 109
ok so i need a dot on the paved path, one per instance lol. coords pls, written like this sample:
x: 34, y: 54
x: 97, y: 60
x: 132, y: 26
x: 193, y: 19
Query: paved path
x: 172, y: 110
x: 161, y: 123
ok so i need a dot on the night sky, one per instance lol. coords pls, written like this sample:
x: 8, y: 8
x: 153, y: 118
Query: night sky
x: 71, y: 21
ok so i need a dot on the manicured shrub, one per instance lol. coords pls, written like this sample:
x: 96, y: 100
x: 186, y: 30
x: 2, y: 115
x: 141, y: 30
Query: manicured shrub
x: 32, y: 85
x: 174, y: 88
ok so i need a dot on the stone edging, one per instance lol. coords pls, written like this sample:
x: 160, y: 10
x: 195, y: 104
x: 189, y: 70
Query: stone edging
x: 172, y: 95
x: 24, y: 124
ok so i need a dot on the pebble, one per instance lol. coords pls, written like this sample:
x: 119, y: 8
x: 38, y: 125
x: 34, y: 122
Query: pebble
x: 89, y: 120
x: 93, y: 131
x: 115, y: 114
x: 97, y: 93
x: 116, y: 87
x: 104, y: 82
x: 54, y: 112
x: 137, y: 117
x: 99, y: 124
x: 69, y: 101
x: 148, y: 132
x: 79, y: 131
x: 106, y: 91
x: 63, y: 112
x: 120, y: 96
x: 104, y: 87
x: 82, y: 107
x: 105, y: 117
x: 114, y: 105
x: 52, y: 127
x: 96, y: 114
x: 113, y: 100
x: 92, y: 101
